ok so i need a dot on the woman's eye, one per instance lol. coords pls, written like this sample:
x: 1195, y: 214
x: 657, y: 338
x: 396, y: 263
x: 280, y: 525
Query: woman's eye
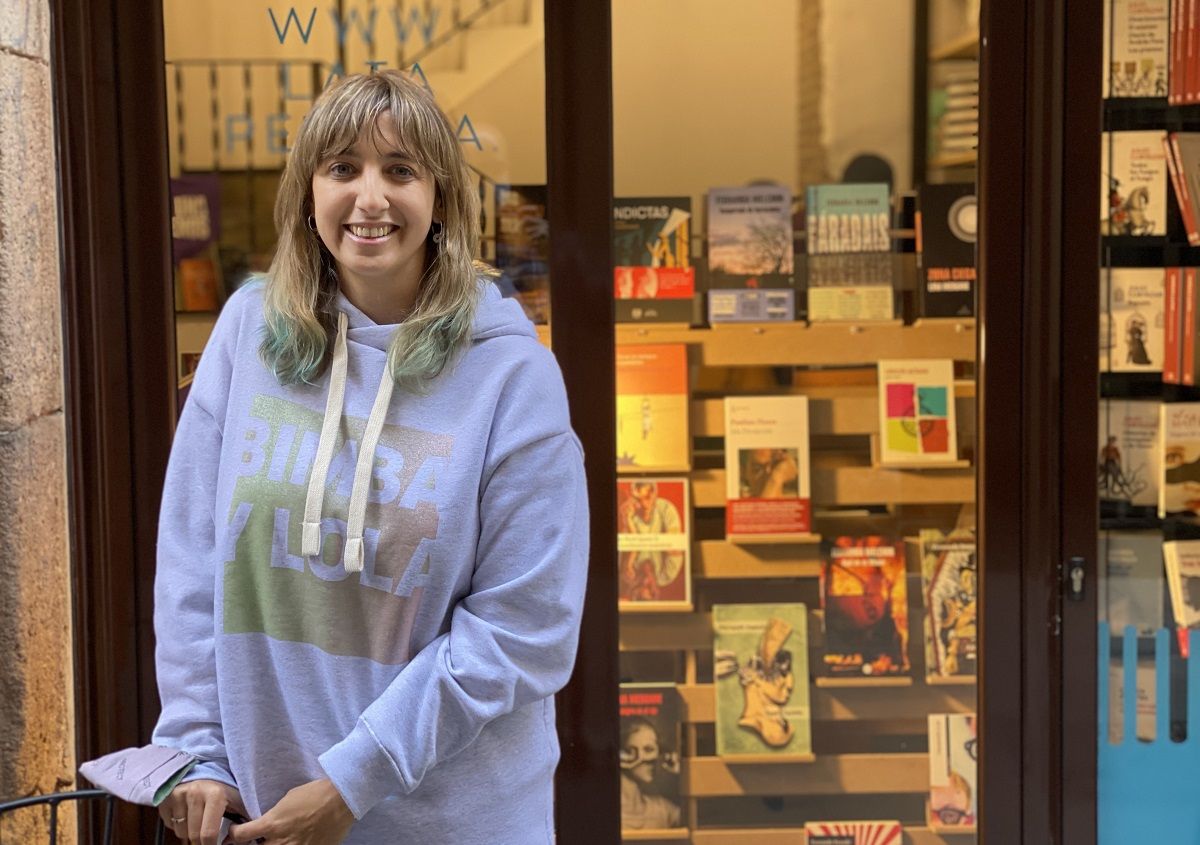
x: 403, y: 170
x: 339, y: 169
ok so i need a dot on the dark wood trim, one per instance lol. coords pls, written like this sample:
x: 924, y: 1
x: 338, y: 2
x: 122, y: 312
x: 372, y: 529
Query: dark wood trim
x: 579, y: 168
x: 110, y: 133
x: 1080, y: 287
x: 1001, y: 357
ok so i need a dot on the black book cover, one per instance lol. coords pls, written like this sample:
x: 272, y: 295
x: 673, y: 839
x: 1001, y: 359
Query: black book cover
x: 946, y: 232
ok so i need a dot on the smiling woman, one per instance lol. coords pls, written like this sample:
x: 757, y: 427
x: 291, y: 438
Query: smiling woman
x: 388, y: 638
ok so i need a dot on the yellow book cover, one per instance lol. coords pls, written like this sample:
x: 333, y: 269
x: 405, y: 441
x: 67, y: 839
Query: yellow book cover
x: 652, y: 408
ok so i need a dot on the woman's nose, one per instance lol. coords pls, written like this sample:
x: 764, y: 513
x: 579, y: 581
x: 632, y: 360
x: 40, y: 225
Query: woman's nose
x: 372, y: 198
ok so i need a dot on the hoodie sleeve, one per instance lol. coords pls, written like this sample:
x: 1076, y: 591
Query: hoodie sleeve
x: 512, y: 640
x: 185, y: 578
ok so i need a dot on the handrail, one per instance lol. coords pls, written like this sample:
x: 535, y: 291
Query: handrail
x: 52, y: 800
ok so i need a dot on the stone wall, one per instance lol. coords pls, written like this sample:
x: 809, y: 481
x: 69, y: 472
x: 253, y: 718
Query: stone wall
x: 36, y: 719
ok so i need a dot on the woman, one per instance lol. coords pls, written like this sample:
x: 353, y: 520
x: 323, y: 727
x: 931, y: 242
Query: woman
x: 649, y: 775
x: 365, y: 602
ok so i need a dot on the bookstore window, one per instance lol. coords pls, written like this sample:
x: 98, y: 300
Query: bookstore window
x: 794, y: 275
x: 240, y: 77
x: 1148, y: 448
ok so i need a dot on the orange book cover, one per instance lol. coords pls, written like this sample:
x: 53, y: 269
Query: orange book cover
x: 198, y: 284
x: 652, y: 408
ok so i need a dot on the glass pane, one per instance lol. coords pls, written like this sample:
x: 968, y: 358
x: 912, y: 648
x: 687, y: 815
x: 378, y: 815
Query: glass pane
x: 241, y: 77
x: 1149, y: 433
x: 795, y: 296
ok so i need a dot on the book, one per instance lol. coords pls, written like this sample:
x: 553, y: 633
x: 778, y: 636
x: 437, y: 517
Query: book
x: 1131, y: 593
x: 1134, y: 183
x: 1181, y: 560
x: 949, y: 586
x: 652, y: 408
x: 854, y: 833
x: 1179, y: 457
x: 864, y: 595
x: 847, y: 218
x: 1185, y: 147
x: 1144, y: 692
x: 1132, y: 299
x: 850, y: 287
x: 947, y: 227
x: 651, y: 721
x: 760, y: 668
x: 766, y: 465
x: 750, y: 237
x: 523, y: 247
x: 917, y: 423
x: 1128, y: 465
x: 1172, y: 325
x: 1136, y: 37
x: 953, y: 750
x: 1179, y: 184
x: 198, y: 284
x: 653, y: 276
x: 751, y: 305
x: 654, y: 544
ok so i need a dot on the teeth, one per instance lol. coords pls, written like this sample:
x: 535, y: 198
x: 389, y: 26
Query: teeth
x: 375, y: 232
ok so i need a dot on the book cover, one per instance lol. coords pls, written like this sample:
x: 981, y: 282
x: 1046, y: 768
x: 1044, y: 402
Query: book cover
x: 523, y: 247
x: 766, y: 465
x: 747, y: 305
x: 1133, y: 331
x: 1186, y: 146
x: 847, y: 218
x: 854, y: 833
x: 1181, y: 559
x: 1131, y: 593
x: 760, y: 668
x: 850, y: 286
x: 750, y: 237
x: 916, y: 412
x: 953, y: 794
x: 1128, y: 465
x: 864, y: 595
x: 651, y: 721
x: 949, y: 584
x: 1179, y: 456
x: 652, y: 408
x: 1136, y: 35
x: 947, y: 227
x: 198, y: 284
x: 1134, y: 184
x: 652, y: 248
x: 654, y: 544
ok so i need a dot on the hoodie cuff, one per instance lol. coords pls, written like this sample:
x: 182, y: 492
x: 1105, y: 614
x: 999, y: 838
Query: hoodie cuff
x: 362, y: 770
x: 208, y: 770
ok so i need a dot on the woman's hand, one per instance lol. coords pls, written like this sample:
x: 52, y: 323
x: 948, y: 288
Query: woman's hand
x: 311, y: 814
x: 193, y: 810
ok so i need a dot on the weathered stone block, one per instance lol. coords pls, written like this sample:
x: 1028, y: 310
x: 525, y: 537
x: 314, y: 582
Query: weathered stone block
x: 25, y: 27
x: 36, y: 706
x: 31, y: 382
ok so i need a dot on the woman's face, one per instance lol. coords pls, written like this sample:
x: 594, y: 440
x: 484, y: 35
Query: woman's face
x: 642, y: 747
x: 374, y: 205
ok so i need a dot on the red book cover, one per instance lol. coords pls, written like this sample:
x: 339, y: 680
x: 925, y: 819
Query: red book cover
x: 1190, y: 81
x: 1188, y: 332
x: 1182, y: 195
x: 863, y: 591
x: 1171, y: 329
x: 1175, y: 59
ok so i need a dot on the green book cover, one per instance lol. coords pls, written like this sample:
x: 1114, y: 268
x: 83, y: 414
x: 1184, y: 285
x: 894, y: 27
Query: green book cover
x: 760, y: 664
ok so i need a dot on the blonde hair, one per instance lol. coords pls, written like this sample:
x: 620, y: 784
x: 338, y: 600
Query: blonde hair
x: 302, y: 280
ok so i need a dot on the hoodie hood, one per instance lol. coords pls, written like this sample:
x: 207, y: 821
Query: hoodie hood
x: 495, y: 316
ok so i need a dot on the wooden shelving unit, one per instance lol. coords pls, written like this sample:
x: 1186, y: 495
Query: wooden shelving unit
x: 965, y: 46
x: 869, y: 734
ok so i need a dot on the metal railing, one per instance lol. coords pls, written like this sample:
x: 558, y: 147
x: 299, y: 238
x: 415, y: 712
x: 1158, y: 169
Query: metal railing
x: 55, y: 799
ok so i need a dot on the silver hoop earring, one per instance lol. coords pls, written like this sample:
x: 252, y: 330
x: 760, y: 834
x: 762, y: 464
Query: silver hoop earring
x: 438, y: 232
x: 312, y: 223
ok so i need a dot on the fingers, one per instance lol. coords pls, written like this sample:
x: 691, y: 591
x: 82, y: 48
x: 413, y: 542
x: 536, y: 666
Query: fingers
x: 210, y: 823
x: 174, y: 808
x: 195, y: 815
x: 250, y: 831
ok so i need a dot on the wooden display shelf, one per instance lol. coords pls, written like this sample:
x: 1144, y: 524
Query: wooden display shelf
x: 847, y: 704
x: 795, y: 836
x: 543, y: 333
x: 965, y: 46
x: 714, y: 559
x: 959, y: 464
x: 959, y: 681
x: 837, y: 774
x: 672, y: 835
x: 806, y: 539
x: 863, y: 683
x: 859, y: 486
x: 963, y: 159
x: 821, y: 344
x: 952, y: 830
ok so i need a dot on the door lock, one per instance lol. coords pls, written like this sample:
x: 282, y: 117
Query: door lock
x: 1075, y: 578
